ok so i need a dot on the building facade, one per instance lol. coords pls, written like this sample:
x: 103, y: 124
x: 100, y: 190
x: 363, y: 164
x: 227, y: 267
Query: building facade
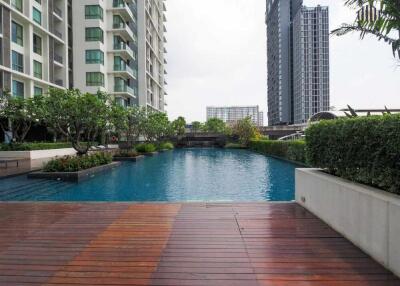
x: 232, y: 114
x: 284, y: 32
x: 88, y: 44
x: 311, y: 63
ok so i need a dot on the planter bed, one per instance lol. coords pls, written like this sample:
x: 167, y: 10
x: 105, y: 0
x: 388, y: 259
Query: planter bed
x: 367, y: 216
x: 128, y: 159
x: 38, y: 154
x: 150, y: 154
x: 73, y: 176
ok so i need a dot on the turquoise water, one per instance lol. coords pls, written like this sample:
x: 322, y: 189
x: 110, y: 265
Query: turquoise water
x: 175, y: 176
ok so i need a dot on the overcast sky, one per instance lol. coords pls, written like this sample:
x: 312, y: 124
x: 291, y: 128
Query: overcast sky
x: 217, y: 57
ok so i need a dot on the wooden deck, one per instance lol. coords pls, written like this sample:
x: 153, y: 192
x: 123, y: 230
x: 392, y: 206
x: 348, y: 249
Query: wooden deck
x: 177, y: 244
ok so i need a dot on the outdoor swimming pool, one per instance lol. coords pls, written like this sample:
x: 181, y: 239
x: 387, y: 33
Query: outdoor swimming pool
x: 189, y: 175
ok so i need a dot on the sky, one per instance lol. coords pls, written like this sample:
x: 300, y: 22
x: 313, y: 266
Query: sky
x: 217, y: 57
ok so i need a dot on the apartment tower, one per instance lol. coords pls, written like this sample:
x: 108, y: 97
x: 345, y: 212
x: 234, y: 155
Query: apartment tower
x: 286, y: 70
x: 116, y: 46
x: 232, y: 114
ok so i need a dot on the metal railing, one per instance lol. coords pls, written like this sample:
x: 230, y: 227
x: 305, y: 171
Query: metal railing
x: 58, y: 58
x: 57, y: 11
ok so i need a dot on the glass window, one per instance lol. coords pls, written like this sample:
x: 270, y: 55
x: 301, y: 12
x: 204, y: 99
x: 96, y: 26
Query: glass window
x: 94, y: 57
x: 37, y: 91
x: 37, y: 44
x: 37, y: 69
x: 94, y: 79
x: 118, y: 22
x: 17, y: 88
x: 93, y: 12
x: 17, y: 34
x: 94, y: 34
x: 17, y: 4
x: 37, y: 16
x: 17, y: 61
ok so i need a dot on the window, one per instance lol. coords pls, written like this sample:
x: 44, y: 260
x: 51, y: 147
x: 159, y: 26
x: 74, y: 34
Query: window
x: 37, y: 16
x: 94, y: 34
x: 94, y: 57
x: 17, y: 61
x: 17, y: 88
x: 17, y: 4
x: 93, y: 12
x: 94, y: 79
x: 118, y: 22
x: 37, y: 69
x: 17, y: 34
x: 37, y: 44
x: 37, y: 91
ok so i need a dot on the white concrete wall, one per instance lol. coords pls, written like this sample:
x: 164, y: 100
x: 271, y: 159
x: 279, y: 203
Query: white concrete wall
x: 368, y: 217
x: 39, y: 154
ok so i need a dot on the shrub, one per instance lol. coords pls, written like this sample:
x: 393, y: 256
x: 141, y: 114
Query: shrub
x: 78, y: 163
x: 127, y: 153
x: 33, y: 146
x: 166, y: 146
x: 146, y: 148
x: 290, y: 150
x: 362, y: 149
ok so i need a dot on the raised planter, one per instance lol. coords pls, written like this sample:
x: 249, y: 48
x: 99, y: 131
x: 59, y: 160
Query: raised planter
x: 38, y: 154
x: 73, y: 176
x: 128, y: 159
x: 150, y: 154
x: 367, y: 216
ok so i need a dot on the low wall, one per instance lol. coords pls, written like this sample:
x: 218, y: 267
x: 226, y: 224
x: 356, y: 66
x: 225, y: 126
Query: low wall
x: 39, y: 154
x: 368, y: 217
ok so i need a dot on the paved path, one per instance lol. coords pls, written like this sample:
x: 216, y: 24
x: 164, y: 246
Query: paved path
x: 177, y: 244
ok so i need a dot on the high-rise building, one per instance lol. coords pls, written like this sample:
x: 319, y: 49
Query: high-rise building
x: 232, y: 114
x: 310, y: 63
x: 283, y: 49
x: 116, y: 46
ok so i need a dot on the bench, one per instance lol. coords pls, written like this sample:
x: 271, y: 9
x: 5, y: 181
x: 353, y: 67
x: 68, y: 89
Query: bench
x: 5, y: 162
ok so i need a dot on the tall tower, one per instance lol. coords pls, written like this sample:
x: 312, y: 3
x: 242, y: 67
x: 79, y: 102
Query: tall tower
x: 311, y: 62
x: 285, y: 87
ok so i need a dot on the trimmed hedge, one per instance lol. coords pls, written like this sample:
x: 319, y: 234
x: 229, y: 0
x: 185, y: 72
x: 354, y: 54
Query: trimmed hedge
x: 75, y: 164
x: 165, y: 146
x: 146, y: 148
x: 289, y: 150
x: 363, y: 149
x: 34, y: 146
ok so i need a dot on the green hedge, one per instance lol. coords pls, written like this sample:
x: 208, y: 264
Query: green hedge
x: 74, y: 164
x: 34, y: 146
x: 363, y: 149
x: 146, y: 148
x: 289, y: 150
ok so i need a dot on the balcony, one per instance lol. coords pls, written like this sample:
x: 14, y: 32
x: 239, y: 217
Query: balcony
x: 124, y: 70
x: 123, y: 30
x: 59, y: 82
x: 58, y: 13
x: 123, y: 48
x: 122, y: 8
x: 58, y: 59
x: 124, y: 88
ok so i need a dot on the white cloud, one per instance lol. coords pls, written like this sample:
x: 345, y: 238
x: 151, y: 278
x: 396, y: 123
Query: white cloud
x: 217, y: 56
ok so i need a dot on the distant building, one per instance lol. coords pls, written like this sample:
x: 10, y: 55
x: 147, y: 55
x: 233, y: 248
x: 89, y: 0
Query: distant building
x: 298, y: 61
x: 232, y: 114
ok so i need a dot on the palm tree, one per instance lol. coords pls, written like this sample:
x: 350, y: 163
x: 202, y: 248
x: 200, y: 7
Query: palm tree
x: 386, y: 26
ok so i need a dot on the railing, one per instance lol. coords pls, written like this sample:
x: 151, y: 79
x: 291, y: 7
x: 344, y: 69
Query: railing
x: 124, y: 88
x: 119, y: 4
x: 292, y: 137
x: 57, y: 33
x: 57, y: 11
x: 59, y: 82
x: 58, y: 58
x: 119, y: 26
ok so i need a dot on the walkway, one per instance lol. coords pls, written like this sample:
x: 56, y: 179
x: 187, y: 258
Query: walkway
x: 177, y: 244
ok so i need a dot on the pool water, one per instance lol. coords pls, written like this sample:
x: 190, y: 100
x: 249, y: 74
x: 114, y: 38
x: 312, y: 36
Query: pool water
x: 188, y: 175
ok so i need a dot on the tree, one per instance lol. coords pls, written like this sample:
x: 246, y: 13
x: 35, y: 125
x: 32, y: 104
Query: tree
x: 385, y: 27
x: 18, y: 115
x: 215, y: 125
x: 246, y: 130
x: 79, y: 117
x: 118, y: 119
x: 196, y: 126
x: 136, y: 121
x: 179, y: 126
x: 156, y: 126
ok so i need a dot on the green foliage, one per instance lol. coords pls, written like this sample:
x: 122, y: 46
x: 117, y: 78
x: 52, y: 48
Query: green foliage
x: 179, y: 126
x: 289, y: 150
x: 136, y: 121
x: 246, y: 130
x: 196, y: 126
x: 79, y: 163
x: 146, y: 148
x: 362, y: 149
x: 165, y: 146
x: 79, y: 117
x: 215, y: 125
x: 386, y: 27
x: 130, y: 153
x: 156, y: 126
x: 33, y: 146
